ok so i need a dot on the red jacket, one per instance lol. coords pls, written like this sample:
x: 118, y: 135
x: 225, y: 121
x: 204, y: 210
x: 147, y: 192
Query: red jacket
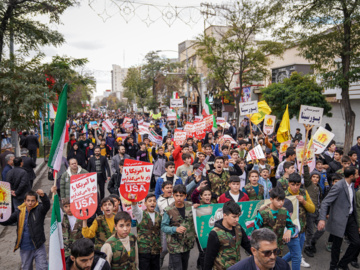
x: 225, y: 197
x: 177, y: 155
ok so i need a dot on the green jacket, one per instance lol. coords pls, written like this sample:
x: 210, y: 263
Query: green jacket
x: 65, y: 182
x: 70, y: 236
x: 313, y: 190
x: 149, y: 234
x: 121, y: 259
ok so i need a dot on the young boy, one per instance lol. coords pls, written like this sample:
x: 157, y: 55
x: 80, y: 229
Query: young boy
x: 142, y: 154
x: 234, y: 157
x: 148, y: 229
x: 244, y: 175
x: 323, y: 183
x: 30, y: 217
x: 288, y: 169
x: 184, y: 170
x: 265, y: 182
x: 120, y: 249
x: 354, y: 159
x: 71, y: 227
x: 103, y: 226
x: 345, y: 163
x: 224, y: 151
x: 276, y: 218
x: 178, y: 225
x: 168, y: 176
x: 117, y: 203
x: 305, y: 206
x: 234, y: 194
x: 225, y: 239
x: 242, y: 149
x: 253, y: 189
x: 202, y: 194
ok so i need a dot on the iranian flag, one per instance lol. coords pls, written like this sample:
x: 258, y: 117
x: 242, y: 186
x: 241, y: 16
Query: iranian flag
x: 175, y: 95
x: 208, y: 111
x: 56, y: 246
x: 61, y: 132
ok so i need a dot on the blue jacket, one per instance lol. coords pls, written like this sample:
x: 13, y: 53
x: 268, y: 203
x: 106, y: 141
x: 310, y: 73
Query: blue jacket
x: 162, y: 179
x: 267, y: 187
x: 5, y: 171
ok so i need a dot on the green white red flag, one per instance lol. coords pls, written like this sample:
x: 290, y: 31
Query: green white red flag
x: 208, y: 111
x: 56, y: 247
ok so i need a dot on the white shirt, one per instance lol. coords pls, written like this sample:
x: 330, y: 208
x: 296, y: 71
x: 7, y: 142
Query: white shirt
x: 242, y: 180
x: 138, y: 214
x: 72, y: 221
x: 235, y: 197
x: 351, y: 196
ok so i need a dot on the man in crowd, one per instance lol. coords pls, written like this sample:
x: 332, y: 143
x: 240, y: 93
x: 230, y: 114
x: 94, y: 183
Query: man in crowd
x: 31, y: 143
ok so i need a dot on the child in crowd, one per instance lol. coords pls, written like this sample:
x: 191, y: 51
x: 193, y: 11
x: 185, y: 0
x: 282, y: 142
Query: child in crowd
x: 323, y: 183
x: 234, y: 157
x: 196, y: 196
x: 234, y: 194
x: 142, y: 154
x: 117, y: 203
x: 121, y: 249
x: 225, y: 239
x: 264, y: 180
x: 354, y: 159
x: 178, y: 225
x: 168, y: 176
x: 253, y: 190
x: 289, y: 168
x: 242, y: 149
x: 115, y: 181
x: 345, y: 163
x: 103, y: 226
x: 184, y: 170
x: 148, y: 228
x: 244, y: 175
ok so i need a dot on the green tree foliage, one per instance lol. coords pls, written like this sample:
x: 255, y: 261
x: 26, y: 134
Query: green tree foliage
x: 112, y: 103
x: 328, y: 33
x: 296, y: 91
x: 237, y: 53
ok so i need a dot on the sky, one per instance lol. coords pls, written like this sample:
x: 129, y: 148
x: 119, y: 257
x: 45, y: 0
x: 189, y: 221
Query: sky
x: 100, y: 33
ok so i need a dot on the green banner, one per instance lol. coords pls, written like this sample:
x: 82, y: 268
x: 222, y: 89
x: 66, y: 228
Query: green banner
x: 205, y: 216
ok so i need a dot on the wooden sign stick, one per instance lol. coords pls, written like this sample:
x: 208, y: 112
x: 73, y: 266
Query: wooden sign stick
x: 251, y: 133
x: 308, y: 128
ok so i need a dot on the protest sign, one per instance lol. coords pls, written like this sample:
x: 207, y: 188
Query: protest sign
x: 122, y: 136
x: 283, y: 147
x: 220, y: 120
x: 199, y: 130
x: 321, y: 139
x: 135, y: 182
x: 94, y: 124
x: 310, y: 115
x: 228, y: 138
x: 126, y: 206
x: 202, y: 166
x: 154, y: 137
x: 179, y: 137
x: 205, y: 216
x: 247, y: 108
x: 144, y: 130
x: 171, y: 116
x: 145, y: 124
x: 269, y: 124
x: 176, y: 103
x: 5, y: 201
x: 129, y: 126
x: 310, y: 155
x: 255, y: 153
x: 140, y: 122
x: 209, y: 122
x: 189, y: 129
x: 108, y: 125
x: 126, y: 121
x: 198, y: 118
x: 83, y: 195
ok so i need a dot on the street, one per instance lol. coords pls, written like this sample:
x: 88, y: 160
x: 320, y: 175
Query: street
x: 10, y: 260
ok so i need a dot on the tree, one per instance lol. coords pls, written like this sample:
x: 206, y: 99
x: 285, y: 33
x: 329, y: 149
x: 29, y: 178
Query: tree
x: 237, y: 50
x: 295, y: 91
x: 113, y: 103
x: 326, y: 31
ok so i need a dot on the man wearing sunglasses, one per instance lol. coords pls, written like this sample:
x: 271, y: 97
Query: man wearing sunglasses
x: 265, y: 250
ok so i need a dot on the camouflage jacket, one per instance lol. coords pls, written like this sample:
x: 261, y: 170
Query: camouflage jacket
x: 121, y: 258
x: 252, y: 194
x: 219, y: 183
x: 283, y: 182
x: 70, y: 236
x: 103, y: 232
x: 229, y: 253
x: 180, y: 242
x: 149, y: 234
x: 302, y: 210
x: 276, y: 225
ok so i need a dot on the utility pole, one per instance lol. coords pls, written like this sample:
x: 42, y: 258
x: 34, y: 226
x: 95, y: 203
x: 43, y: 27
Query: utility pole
x: 187, y: 85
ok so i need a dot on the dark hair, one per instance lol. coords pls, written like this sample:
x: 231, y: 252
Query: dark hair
x: 234, y: 152
x: 290, y: 152
x: 179, y: 189
x: 264, y: 169
x: 121, y: 163
x: 185, y: 156
x: 114, y: 196
x: 335, y: 177
x: 17, y: 161
x: 242, y: 142
x: 340, y: 152
x: 107, y: 199
x: 185, y: 146
x: 150, y: 195
x: 234, y: 178
x: 207, y: 146
x: 351, y: 153
x: 231, y: 207
x: 319, y: 161
x: 218, y: 158
x: 196, y: 166
x: 253, y: 171
x: 97, y: 147
x: 164, y: 184
x: 201, y: 153
x: 206, y: 188
x: 225, y: 158
x: 169, y: 163
x: 224, y: 147
x: 263, y: 234
x: 31, y: 193
x: 298, y: 129
x: 294, y: 178
x: 349, y: 171
x: 188, y: 139
x: 142, y: 143
x: 331, y: 143
x: 125, y: 216
x: 82, y: 247
x: 287, y: 165
x: 277, y: 192
x: 345, y: 159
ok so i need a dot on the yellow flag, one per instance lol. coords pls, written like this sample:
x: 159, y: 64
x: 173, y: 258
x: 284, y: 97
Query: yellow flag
x: 283, y: 133
x: 263, y: 109
x: 156, y: 116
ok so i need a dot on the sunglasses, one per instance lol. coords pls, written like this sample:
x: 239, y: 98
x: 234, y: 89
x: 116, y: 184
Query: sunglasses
x: 268, y: 253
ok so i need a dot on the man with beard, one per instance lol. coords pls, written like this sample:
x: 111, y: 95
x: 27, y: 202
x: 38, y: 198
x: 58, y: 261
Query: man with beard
x: 99, y: 164
x: 84, y: 257
x: 117, y: 158
x: 342, y: 219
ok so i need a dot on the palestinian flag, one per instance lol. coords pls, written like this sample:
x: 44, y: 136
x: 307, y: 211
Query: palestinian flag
x: 208, y: 111
x: 56, y: 246
x: 61, y: 133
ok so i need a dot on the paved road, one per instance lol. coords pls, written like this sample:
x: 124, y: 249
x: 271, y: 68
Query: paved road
x: 11, y: 261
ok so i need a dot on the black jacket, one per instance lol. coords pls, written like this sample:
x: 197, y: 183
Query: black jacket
x: 79, y: 155
x: 131, y: 150
x: 28, y: 166
x: 31, y: 142
x: 99, y: 257
x: 213, y: 249
x: 35, y: 221
x: 19, y: 181
x: 114, y: 183
x: 104, y: 166
x: 333, y: 167
x: 249, y: 264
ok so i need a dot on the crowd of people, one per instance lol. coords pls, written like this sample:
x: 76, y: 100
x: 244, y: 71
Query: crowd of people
x: 328, y: 198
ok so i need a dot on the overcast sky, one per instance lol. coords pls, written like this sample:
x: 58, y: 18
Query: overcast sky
x: 117, y: 42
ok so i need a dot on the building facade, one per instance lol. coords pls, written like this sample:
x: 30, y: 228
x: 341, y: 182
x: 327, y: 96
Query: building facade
x: 118, y: 74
